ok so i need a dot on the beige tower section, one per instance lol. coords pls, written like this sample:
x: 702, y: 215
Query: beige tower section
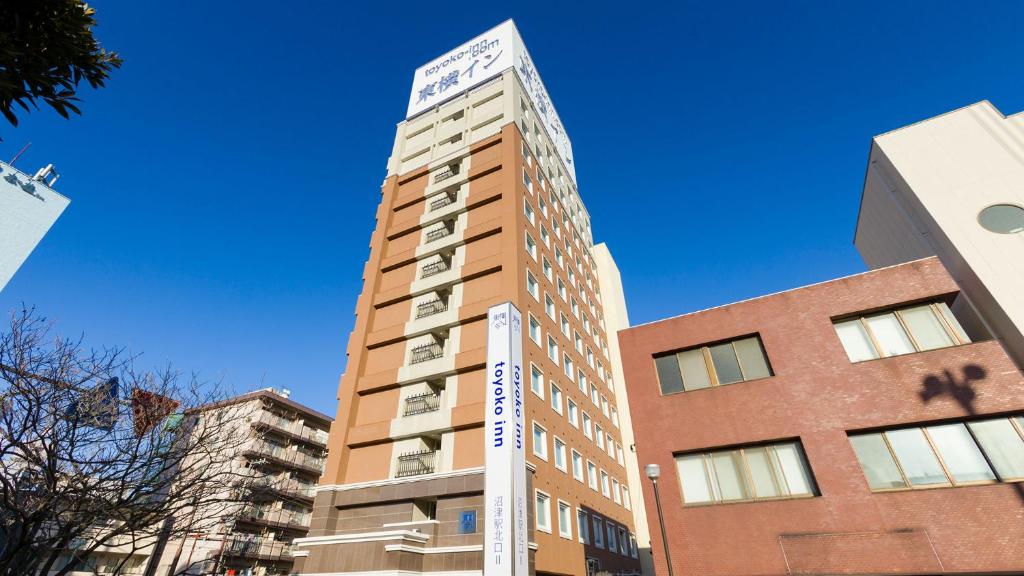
x: 477, y: 209
x: 925, y: 190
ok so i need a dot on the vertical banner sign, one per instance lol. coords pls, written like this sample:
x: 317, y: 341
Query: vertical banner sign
x: 505, y: 540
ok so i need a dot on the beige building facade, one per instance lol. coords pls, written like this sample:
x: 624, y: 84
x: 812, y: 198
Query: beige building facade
x: 953, y: 186
x: 478, y: 208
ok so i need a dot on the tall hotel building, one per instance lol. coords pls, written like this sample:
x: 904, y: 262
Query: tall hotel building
x: 479, y: 207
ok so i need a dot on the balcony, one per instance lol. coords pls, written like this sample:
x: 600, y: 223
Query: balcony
x: 446, y: 199
x: 416, y: 463
x: 286, y: 456
x: 278, y: 517
x: 258, y: 548
x: 293, y: 428
x: 446, y: 173
x: 426, y: 352
x: 285, y: 486
x: 422, y: 403
x: 424, y: 309
x: 434, y: 268
x: 442, y: 231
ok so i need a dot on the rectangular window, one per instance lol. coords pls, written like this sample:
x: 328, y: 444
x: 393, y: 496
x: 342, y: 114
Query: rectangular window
x: 556, y: 398
x: 560, y: 454
x: 598, y: 532
x: 954, y: 454
x: 540, y: 442
x: 531, y: 246
x: 564, y: 520
x: 578, y: 341
x: 528, y: 182
x: 553, y: 350
x: 605, y: 486
x: 620, y: 455
x: 903, y: 331
x: 534, y: 329
x: 542, y: 512
x: 546, y: 266
x: 592, y: 475
x: 565, y: 324
x: 532, y: 287
x: 625, y: 498
x: 549, y: 306
x: 615, y: 417
x: 611, y: 445
x: 762, y: 472
x: 716, y: 365
x: 577, y: 465
x: 611, y: 537
x: 544, y: 236
x: 599, y: 436
x: 581, y: 526
x: 572, y: 412
x: 604, y: 406
x: 586, y: 426
x: 536, y: 380
x: 567, y: 365
x: 623, y: 542
x: 528, y: 210
x: 595, y: 396
x: 616, y: 494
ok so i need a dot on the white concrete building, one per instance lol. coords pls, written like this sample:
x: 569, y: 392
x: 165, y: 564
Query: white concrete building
x: 28, y: 208
x: 953, y: 186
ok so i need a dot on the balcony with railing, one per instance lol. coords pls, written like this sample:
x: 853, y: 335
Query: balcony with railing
x: 416, y: 463
x: 285, y: 486
x: 443, y: 230
x: 444, y: 199
x: 275, y: 516
x: 422, y: 403
x: 258, y: 548
x: 435, y: 267
x: 284, y: 455
x: 293, y: 428
x: 445, y: 173
x: 431, y: 307
x: 426, y: 352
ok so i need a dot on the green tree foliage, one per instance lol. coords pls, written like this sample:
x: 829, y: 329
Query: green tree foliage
x: 46, y: 50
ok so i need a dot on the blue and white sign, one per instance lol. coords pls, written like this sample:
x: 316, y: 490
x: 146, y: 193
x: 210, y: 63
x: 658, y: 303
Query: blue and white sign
x: 479, y: 60
x: 505, y: 537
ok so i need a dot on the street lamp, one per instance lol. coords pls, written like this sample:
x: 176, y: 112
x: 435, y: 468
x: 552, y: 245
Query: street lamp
x: 653, y: 472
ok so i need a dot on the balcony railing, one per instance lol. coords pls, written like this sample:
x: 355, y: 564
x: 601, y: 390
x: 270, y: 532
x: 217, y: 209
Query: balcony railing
x: 416, y: 463
x: 422, y: 403
x: 261, y: 548
x: 439, y: 232
x: 424, y: 309
x: 276, y: 516
x: 445, y: 174
x: 446, y: 199
x: 284, y: 486
x: 435, y: 267
x: 293, y: 427
x: 283, y: 454
x: 426, y: 352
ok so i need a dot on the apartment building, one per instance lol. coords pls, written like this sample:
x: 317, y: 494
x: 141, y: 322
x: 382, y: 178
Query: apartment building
x: 480, y: 207
x: 29, y: 206
x: 953, y: 187
x: 280, y: 455
x: 865, y: 425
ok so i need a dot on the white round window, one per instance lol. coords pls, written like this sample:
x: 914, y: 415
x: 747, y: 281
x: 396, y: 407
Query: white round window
x: 1002, y: 219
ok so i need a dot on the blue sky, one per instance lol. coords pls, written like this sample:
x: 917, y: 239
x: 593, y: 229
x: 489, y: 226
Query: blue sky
x: 224, y: 184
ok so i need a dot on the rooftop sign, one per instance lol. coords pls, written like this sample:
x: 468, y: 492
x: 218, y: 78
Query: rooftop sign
x: 479, y: 60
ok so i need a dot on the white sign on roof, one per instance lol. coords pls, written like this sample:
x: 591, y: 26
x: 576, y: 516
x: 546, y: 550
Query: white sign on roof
x: 479, y: 60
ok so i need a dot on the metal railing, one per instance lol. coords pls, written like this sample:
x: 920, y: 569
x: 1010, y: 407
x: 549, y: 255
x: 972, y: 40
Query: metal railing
x: 440, y: 232
x: 286, y: 455
x: 424, y: 309
x: 276, y: 516
x: 446, y: 199
x: 445, y: 174
x: 263, y: 548
x: 291, y: 427
x: 284, y: 485
x: 435, y: 267
x: 422, y: 403
x: 416, y: 463
x: 426, y: 352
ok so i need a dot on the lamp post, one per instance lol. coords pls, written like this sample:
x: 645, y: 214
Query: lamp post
x: 653, y: 472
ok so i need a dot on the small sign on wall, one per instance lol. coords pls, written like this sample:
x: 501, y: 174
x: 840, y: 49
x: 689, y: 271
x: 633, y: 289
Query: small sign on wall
x: 467, y: 522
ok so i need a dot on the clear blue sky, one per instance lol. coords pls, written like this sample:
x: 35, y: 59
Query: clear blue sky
x: 224, y: 184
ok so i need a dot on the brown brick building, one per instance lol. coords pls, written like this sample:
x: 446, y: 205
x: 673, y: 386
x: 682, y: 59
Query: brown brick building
x: 864, y: 425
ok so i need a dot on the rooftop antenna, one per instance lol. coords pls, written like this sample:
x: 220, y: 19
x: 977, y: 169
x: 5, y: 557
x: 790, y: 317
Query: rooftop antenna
x: 20, y: 152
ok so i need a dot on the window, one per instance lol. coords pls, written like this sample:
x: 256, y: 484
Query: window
x: 625, y: 498
x: 767, y: 471
x: 546, y: 266
x: 592, y: 475
x: 604, y: 406
x: 955, y: 454
x: 605, y: 487
x: 528, y: 210
x: 534, y: 329
x: 583, y: 531
x: 623, y: 542
x: 574, y: 307
x: 532, y: 287
x: 553, y: 350
x: 578, y: 341
x: 543, y: 207
x: 540, y: 441
x: 598, y: 532
x: 561, y: 289
x: 567, y: 365
x: 559, y: 454
x: 903, y: 331
x: 599, y: 436
x: 577, y: 465
x: 558, y: 257
x: 586, y: 426
x: 544, y: 236
x: 1002, y: 219
x: 549, y: 306
x: 528, y: 182
x: 716, y: 365
x: 531, y: 246
x: 556, y: 398
x: 564, y: 520
x: 616, y: 494
x: 620, y: 454
x: 595, y: 396
x: 590, y: 357
x: 565, y: 324
x: 573, y: 412
x: 542, y: 511
x: 611, y: 445
x: 536, y: 380
x: 615, y: 417
x: 611, y: 537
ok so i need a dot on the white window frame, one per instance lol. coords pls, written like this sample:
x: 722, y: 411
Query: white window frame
x: 531, y: 322
x: 544, y: 444
x: 556, y: 397
x: 574, y: 457
x: 592, y: 478
x: 536, y: 510
x: 564, y: 531
x: 554, y: 444
x: 541, y: 372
